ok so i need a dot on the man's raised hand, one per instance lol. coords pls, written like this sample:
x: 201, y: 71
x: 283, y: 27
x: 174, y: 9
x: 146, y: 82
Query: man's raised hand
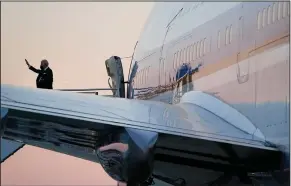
x: 27, y: 63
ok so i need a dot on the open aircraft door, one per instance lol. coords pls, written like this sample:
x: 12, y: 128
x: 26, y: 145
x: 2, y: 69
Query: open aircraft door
x: 115, y: 72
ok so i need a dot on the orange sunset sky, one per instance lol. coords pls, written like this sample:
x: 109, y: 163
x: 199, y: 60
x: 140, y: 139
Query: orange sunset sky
x: 76, y: 38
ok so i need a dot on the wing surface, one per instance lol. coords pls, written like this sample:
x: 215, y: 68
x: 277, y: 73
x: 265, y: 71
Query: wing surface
x: 93, y: 111
x: 8, y: 148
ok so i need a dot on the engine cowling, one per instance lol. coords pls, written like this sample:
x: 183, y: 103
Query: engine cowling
x: 130, y: 160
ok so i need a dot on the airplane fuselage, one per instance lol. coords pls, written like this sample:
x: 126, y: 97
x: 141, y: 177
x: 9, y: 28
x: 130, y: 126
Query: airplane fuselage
x: 224, y: 67
x: 238, y: 52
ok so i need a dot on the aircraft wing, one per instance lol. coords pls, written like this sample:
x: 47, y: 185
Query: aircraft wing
x: 8, y: 148
x: 65, y: 121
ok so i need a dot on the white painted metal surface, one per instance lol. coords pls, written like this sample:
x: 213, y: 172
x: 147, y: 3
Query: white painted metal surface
x: 146, y: 115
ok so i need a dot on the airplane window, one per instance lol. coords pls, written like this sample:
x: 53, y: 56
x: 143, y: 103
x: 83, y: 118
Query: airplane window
x: 177, y: 60
x: 174, y: 60
x: 264, y: 17
x: 181, y: 57
x: 269, y: 14
x: 184, y: 56
x: 138, y: 83
x: 230, y: 34
x: 142, y: 76
x: 259, y: 20
x: 194, y: 51
x: 191, y: 53
x: 201, y: 48
x: 187, y: 54
x: 218, y: 40
x: 148, y: 70
x: 139, y: 79
x: 285, y: 9
x: 197, y: 50
x: 274, y: 11
x: 147, y: 74
x: 204, y: 44
x: 163, y: 73
x: 280, y: 10
x: 226, y: 36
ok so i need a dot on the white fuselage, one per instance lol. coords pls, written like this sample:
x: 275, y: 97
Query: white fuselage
x: 243, y: 50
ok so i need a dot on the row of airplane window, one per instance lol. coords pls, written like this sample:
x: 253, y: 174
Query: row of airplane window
x: 192, y: 52
x: 141, y: 76
x: 228, y: 36
x: 273, y: 13
x: 198, y: 49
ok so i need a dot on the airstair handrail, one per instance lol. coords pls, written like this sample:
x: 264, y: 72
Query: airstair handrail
x: 89, y: 89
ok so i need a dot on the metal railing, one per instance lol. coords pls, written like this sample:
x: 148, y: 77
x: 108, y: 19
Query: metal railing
x: 88, y: 91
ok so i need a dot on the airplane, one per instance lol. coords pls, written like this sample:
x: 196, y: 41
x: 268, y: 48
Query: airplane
x: 207, y: 101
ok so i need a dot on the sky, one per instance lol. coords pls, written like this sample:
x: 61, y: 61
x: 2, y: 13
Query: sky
x: 76, y: 38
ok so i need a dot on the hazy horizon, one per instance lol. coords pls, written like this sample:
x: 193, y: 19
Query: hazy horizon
x: 76, y: 38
